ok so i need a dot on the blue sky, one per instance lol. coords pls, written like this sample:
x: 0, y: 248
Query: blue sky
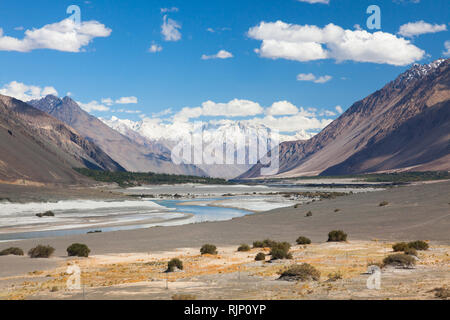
x: 117, y: 63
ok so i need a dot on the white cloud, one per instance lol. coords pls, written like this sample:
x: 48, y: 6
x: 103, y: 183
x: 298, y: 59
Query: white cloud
x: 233, y: 108
x: 25, y: 92
x: 93, y: 106
x: 127, y: 100
x: 155, y: 48
x: 315, y: 1
x: 420, y: 27
x: 108, y: 101
x: 313, y: 78
x: 222, y: 54
x: 309, y: 42
x: 62, y: 36
x: 282, y: 108
x: 447, y: 48
x: 169, y: 29
x: 122, y: 100
x: 339, y: 109
x: 128, y: 111
x: 173, y: 9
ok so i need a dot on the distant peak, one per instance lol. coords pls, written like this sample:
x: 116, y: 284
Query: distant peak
x: 418, y: 71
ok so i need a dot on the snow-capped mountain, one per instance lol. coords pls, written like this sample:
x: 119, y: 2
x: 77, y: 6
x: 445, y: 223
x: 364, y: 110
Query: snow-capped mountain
x: 215, y: 137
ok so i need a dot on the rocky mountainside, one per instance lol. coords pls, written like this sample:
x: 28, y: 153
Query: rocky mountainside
x: 136, y: 156
x: 403, y: 126
x: 37, y: 148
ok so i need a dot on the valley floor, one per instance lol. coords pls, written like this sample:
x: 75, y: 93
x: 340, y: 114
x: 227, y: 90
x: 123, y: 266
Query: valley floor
x: 131, y: 264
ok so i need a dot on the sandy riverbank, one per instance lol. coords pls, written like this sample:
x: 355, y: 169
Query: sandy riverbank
x: 414, y: 212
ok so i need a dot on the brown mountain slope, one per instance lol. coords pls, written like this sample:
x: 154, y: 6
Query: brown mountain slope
x: 37, y: 148
x: 374, y: 133
x: 131, y: 155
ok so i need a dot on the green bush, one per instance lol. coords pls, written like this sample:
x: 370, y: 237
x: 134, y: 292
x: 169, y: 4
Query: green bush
x: 41, y: 252
x: 337, y: 236
x: 258, y: 244
x: 208, y: 249
x: 12, y: 251
x: 419, y: 245
x: 400, y: 246
x: 399, y: 260
x: 268, y: 243
x: 244, y: 247
x: 78, y: 250
x: 280, y: 250
x: 410, y: 251
x: 174, y: 263
x: 260, y: 257
x: 303, y: 272
x: 303, y: 240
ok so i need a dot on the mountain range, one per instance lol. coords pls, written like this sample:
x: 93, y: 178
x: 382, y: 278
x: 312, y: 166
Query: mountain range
x: 403, y: 126
x: 135, y: 154
x: 37, y: 148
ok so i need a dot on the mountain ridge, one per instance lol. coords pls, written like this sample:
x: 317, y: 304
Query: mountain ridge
x: 367, y: 122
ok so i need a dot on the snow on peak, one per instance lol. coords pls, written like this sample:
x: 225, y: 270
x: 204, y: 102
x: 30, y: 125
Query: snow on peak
x: 419, y: 71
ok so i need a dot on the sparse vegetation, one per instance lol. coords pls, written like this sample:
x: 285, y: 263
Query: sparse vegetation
x: 400, y: 246
x: 410, y: 251
x: 243, y: 248
x: 260, y: 256
x: 337, y: 210
x: 280, y: 250
x: 46, y: 214
x: 334, y: 276
x: 309, y: 214
x: 383, y: 203
x: 399, y: 260
x: 78, y: 250
x: 12, y: 251
x: 303, y: 272
x: 133, y: 179
x: 441, y: 293
x: 208, y: 249
x: 337, y: 236
x: 41, y: 252
x: 174, y: 263
x: 303, y: 240
x: 267, y: 243
x: 419, y: 245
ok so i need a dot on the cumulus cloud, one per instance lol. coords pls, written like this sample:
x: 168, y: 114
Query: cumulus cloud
x: 127, y: 100
x: 339, y: 109
x: 25, y: 92
x: 65, y: 36
x: 311, y: 77
x: 93, y: 106
x: 281, y: 108
x: 420, y: 27
x: 281, y: 40
x: 155, y: 48
x: 233, y: 108
x: 222, y: 54
x: 447, y: 48
x: 122, y: 100
x: 170, y: 29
